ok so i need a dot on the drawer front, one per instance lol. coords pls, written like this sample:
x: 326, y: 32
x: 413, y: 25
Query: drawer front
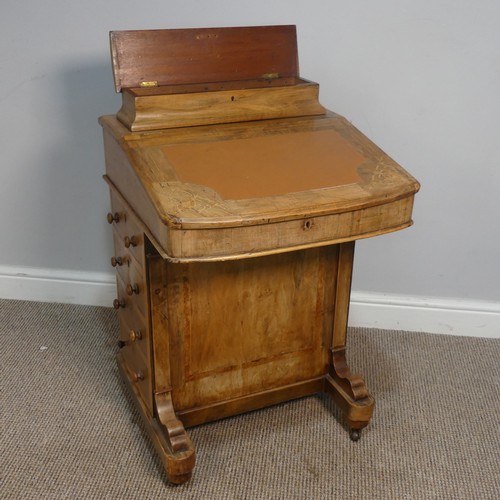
x: 140, y: 374
x: 129, y: 233
x: 131, y: 287
x: 132, y: 298
x: 135, y: 331
x: 136, y: 337
x: 130, y: 307
x: 121, y: 259
x: 136, y: 289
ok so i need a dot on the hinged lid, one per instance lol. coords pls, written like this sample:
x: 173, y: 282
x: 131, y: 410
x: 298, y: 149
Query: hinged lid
x: 178, y: 56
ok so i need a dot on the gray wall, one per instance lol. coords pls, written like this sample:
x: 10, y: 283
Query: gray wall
x: 421, y: 79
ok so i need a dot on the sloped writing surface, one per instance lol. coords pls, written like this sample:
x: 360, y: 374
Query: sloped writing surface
x: 267, y: 165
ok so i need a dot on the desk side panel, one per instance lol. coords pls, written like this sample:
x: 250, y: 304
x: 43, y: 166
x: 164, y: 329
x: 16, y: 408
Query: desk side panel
x: 122, y: 178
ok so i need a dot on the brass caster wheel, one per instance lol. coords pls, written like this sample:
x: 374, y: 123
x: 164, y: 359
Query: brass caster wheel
x: 355, y: 434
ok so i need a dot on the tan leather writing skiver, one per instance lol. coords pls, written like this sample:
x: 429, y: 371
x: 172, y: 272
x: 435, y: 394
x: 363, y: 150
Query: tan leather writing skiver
x: 236, y: 201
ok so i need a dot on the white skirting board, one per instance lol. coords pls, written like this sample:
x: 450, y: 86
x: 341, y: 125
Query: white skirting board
x: 374, y: 310
x: 57, y: 285
x: 472, y: 318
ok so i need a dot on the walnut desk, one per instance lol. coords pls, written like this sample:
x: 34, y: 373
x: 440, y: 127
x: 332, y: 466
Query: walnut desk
x: 236, y: 201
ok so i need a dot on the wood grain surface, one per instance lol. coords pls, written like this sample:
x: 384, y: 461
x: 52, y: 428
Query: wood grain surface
x: 202, y: 55
x: 245, y: 102
x: 332, y: 184
x: 235, y: 210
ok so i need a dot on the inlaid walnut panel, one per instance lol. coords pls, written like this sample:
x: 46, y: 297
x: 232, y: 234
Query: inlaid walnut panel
x: 239, y: 327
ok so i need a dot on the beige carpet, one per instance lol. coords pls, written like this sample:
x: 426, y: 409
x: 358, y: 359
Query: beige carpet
x: 69, y: 431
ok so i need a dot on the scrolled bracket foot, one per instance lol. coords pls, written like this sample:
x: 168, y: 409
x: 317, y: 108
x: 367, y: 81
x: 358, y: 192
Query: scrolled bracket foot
x: 177, y: 436
x: 349, y: 393
x: 165, y: 430
x: 353, y: 384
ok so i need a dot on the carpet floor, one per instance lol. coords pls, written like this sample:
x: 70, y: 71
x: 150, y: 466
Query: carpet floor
x: 69, y: 430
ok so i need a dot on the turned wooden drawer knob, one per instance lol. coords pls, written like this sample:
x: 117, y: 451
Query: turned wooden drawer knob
x: 139, y: 375
x: 116, y: 261
x: 135, y: 335
x: 113, y: 217
x: 131, y: 289
x: 130, y: 241
x: 118, y: 303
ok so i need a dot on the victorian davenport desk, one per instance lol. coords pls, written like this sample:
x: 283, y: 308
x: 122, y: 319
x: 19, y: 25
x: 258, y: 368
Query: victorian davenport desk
x: 236, y: 201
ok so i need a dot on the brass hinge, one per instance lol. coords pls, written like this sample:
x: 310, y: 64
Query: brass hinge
x: 153, y: 83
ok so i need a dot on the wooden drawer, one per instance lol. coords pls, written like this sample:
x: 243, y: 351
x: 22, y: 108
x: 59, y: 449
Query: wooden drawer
x: 132, y: 295
x: 129, y: 231
x: 121, y: 258
x: 135, y: 332
x: 140, y: 373
x: 135, y: 304
x: 136, y: 288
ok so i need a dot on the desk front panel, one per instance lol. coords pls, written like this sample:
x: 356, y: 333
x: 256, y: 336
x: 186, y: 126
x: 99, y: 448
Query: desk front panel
x: 242, y: 327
